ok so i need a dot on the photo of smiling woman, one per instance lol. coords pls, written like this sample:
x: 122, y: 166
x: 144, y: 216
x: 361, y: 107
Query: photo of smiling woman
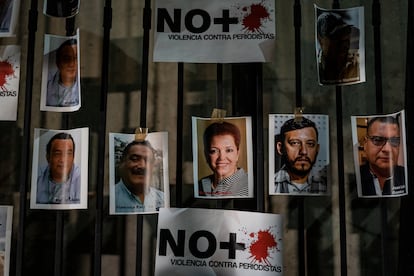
x: 222, y: 151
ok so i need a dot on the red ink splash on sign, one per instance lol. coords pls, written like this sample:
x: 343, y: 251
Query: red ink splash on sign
x: 6, y: 70
x: 252, y: 22
x: 259, y: 249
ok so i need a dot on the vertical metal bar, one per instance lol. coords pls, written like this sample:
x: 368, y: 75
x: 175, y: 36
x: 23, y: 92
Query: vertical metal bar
x: 138, y: 257
x: 146, y: 24
x: 258, y: 153
x: 107, y: 24
x: 180, y: 116
x: 70, y: 26
x: 386, y: 266
x: 220, y: 204
x: 247, y: 79
x: 24, y: 159
x: 406, y: 239
x: 59, y: 243
x: 59, y: 237
x: 341, y: 174
x: 301, y: 236
x: 219, y: 84
x: 297, y: 17
x: 376, y: 23
x: 341, y: 181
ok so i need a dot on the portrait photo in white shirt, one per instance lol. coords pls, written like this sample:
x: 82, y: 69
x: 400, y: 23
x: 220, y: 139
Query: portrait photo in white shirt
x: 138, y: 173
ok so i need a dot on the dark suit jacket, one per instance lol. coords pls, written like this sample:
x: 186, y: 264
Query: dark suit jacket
x: 62, y: 8
x: 367, y: 181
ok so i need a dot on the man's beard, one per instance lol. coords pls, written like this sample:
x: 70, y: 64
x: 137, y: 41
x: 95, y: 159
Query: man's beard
x: 302, y: 172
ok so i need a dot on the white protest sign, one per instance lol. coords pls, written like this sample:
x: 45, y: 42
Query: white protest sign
x: 215, y: 31
x: 9, y: 81
x: 218, y: 242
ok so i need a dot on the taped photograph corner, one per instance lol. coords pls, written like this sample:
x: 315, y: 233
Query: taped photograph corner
x: 299, y: 155
x: 138, y: 173
x: 222, y: 157
x: 380, y: 155
x: 60, y: 169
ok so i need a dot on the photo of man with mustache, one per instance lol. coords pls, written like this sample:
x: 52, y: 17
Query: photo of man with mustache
x: 133, y: 192
x: 297, y: 145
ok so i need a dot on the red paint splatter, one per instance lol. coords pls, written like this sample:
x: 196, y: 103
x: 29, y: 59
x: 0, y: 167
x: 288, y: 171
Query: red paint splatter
x: 253, y: 21
x: 259, y: 249
x: 6, y: 69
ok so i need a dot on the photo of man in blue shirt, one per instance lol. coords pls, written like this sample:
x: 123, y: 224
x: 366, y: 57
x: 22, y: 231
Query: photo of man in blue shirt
x: 133, y: 192
x: 59, y: 181
x: 63, y: 87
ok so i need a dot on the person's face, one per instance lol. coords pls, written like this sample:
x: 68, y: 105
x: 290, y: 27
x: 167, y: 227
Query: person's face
x: 382, y: 156
x: 137, y: 168
x: 336, y: 50
x: 68, y: 62
x: 222, y: 156
x: 60, y: 159
x: 299, y: 150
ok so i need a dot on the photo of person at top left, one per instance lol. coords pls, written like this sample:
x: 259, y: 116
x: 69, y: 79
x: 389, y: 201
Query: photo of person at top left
x: 60, y: 78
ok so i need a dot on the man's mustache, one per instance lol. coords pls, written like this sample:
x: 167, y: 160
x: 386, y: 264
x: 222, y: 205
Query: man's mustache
x: 139, y: 171
x: 301, y: 159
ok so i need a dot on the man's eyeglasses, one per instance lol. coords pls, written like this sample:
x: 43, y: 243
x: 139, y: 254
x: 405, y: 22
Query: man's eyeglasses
x: 380, y: 141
